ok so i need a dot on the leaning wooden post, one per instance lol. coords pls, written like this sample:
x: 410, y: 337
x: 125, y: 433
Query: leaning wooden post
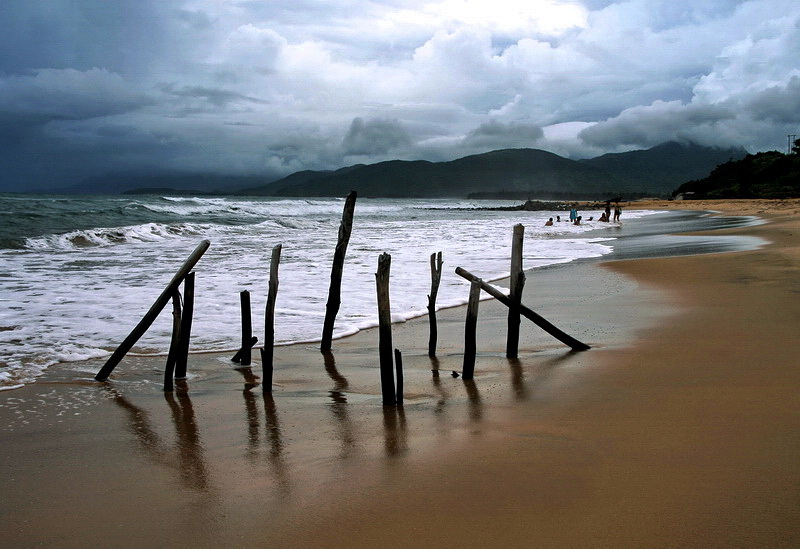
x: 470, y: 329
x: 398, y: 364
x: 385, y: 330
x: 247, y: 328
x: 516, y: 284
x: 169, y: 369
x: 436, y: 278
x: 269, y: 322
x: 335, y: 290
x: 151, y: 315
x: 526, y: 312
x: 186, y: 326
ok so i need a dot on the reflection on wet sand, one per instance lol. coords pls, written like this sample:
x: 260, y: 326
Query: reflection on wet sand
x: 339, y: 407
x: 250, y: 383
x: 275, y: 439
x: 437, y: 384
x: 193, y: 468
x: 474, y: 400
x: 190, y: 465
x: 518, y: 379
x: 395, y: 431
x: 546, y: 368
x: 272, y: 429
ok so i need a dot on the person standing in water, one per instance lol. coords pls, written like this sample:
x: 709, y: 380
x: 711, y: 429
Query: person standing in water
x: 617, y: 213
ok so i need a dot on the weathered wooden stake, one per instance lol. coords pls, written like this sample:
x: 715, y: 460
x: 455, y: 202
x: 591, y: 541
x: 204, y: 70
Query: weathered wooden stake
x: 267, y: 351
x: 169, y: 369
x: 385, y: 330
x: 526, y: 312
x: 151, y: 314
x: 436, y: 278
x: 398, y: 364
x: 186, y: 327
x: 470, y: 328
x: 516, y: 284
x: 247, y: 328
x: 335, y: 290
x: 237, y: 357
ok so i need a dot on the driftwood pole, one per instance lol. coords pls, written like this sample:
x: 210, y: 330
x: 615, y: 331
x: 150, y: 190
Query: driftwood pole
x: 385, y: 330
x: 335, y: 290
x: 269, y: 322
x: 151, y: 315
x: 247, y: 329
x: 175, y: 341
x: 516, y: 284
x: 526, y: 312
x: 398, y: 364
x: 436, y: 278
x: 470, y: 329
x: 186, y: 327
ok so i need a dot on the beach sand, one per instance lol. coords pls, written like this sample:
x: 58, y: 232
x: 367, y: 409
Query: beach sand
x: 681, y: 426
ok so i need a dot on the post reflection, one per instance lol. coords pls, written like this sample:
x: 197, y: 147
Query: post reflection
x: 437, y: 384
x: 274, y: 436
x: 338, y: 407
x: 193, y: 469
x: 395, y: 431
x: 518, y: 380
x: 251, y: 409
x: 190, y: 466
x: 473, y: 400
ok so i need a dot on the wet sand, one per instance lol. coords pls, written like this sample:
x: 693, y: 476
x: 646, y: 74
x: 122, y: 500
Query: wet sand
x: 680, y: 427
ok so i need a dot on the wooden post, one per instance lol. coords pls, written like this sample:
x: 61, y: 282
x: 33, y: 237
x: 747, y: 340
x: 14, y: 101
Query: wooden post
x: 516, y: 284
x: 385, y: 330
x: 237, y: 357
x: 436, y: 278
x: 470, y: 328
x: 398, y: 364
x: 247, y: 328
x: 186, y: 326
x: 169, y: 369
x: 269, y: 321
x: 151, y: 315
x: 335, y: 290
x: 526, y: 312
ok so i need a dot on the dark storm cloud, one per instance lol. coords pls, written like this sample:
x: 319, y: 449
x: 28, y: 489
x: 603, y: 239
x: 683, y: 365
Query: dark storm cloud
x: 374, y: 137
x: 777, y: 104
x: 122, y: 35
x: 496, y: 135
x: 94, y: 86
x: 656, y: 123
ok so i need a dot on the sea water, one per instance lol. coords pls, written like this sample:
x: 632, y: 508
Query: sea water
x: 77, y: 273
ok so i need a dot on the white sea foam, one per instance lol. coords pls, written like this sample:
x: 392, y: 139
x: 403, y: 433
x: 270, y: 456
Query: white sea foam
x: 76, y: 295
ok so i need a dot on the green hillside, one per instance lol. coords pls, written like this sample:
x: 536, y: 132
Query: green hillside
x: 763, y: 175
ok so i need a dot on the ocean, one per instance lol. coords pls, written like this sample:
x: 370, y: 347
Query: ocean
x: 78, y: 272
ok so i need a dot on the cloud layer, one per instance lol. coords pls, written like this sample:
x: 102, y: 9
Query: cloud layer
x: 89, y: 87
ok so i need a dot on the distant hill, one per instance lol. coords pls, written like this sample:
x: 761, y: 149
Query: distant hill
x: 521, y: 171
x: 664, y: 166
x: 763, y: 175
x: 512, y: 173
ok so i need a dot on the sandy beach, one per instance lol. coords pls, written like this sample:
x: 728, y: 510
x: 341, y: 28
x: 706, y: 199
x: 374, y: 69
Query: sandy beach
x: 680, y: 427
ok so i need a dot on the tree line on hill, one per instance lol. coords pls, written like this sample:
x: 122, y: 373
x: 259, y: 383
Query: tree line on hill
x: 769, y: 174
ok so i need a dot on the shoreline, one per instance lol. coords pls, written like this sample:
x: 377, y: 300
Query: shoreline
x: 563, y: 448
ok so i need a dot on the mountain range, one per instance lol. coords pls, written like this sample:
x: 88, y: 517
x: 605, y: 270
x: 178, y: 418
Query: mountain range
x: 513, y: 173
x: 508, y: 173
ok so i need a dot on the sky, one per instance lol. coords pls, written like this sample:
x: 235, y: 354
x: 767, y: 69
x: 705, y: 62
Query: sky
x: 270, y: 87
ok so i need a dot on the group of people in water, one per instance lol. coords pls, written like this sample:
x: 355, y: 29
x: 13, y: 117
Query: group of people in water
x: 605, y: 217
